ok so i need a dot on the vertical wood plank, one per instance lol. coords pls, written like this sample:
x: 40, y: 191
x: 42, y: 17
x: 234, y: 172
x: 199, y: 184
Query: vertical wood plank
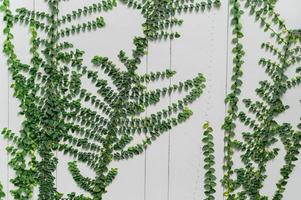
x: 157, y: 153
x: 200, y: 49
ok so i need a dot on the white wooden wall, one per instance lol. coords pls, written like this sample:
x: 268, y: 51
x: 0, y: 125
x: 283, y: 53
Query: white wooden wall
x: 171, y: 169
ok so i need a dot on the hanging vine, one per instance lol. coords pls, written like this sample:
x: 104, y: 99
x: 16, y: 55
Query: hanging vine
x: 233, y: 96
x: 54, y: 101
x: 2, y: 194
x: 209, y: 162
x: 60, y: 114
x: 258, y: 146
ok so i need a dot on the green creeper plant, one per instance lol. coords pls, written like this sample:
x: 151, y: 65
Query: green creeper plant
x: 232, y: 98
x: 2, y: 194
x: 60, y: 114
x: 258, y: 146
x: 209, y: 162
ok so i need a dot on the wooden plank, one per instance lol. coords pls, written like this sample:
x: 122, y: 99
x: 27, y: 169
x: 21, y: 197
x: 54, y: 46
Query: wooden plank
x: 200, y: 49
x: 157, y: 154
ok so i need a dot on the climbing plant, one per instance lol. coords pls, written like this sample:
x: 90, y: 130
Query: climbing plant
x: 60, y: 114
x: 2, y: 194
x: 258, y: 146
x: 209, y: 162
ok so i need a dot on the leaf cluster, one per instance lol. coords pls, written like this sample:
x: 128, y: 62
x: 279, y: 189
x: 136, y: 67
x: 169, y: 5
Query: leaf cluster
x: 258, y: 146
x: 209, y: 162
x: 61, y: 114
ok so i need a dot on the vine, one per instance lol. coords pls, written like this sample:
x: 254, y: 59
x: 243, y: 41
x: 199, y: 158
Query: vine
x: 233, y: 96
x: 54, y: 101
x: 258, y: 146
x: 60, y: 114
x: 2, y: 194
x: 209, y: 162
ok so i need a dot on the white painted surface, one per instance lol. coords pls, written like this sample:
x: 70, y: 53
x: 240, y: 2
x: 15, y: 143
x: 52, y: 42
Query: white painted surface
x: 171, y: 168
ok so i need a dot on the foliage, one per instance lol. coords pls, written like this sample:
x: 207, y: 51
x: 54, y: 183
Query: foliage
x: 259, y: 146
x: 232, y: 97
x: 2, y: 194
x: 60, y: 114
x: 209, y: 162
